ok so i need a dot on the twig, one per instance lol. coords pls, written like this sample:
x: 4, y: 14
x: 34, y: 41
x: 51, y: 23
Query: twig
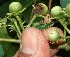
x: 50, y: 4
x: 34, y: 17
x: 33, y: 10
x: 64, y: 25
x: 20, y: 22
x: 68, y: 37
x: 16, y: 26
x: 10, y: 40
x: 64, y: 33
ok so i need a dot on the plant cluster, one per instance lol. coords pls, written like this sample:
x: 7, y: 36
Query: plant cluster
x: 47, y: 20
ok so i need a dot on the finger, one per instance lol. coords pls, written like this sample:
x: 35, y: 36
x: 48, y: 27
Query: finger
x: 56, y: 56
x: 34, y: 44
x: 16, y: 54
x: 54, y: 51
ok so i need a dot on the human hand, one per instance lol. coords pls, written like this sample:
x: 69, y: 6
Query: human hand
x: 34, y: 44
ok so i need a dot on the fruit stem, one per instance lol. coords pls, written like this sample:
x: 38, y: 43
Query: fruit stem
x: 64, y: 46
x: 68, y: 37
x: 65, y: 26
x: 18, y: 30
x: 41, y: 16
x: 50, y: 4
x: 32, y: 13
x: 10, y: 40
x: 64, y: 33
x: 22, y: 10
x: 34, y: 17
x: 20, y: 22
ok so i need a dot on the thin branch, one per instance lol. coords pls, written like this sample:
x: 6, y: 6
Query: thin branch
x: 33, y: 10
x: 9, y: 40
x: 31, y: 21
x: 17, y: 28
x: 20, y: 22
x: 50, y: 4
x: 64, y: 25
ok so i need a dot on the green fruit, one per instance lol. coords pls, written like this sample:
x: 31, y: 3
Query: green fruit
x: 41, y: 9
x: 56, y: 11
x: 67, y: 9
x: 53, y: 35
x: 15, y: 7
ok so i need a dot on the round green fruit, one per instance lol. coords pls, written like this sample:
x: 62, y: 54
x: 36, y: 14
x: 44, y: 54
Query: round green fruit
x: 15, y: 7
x: 53, y: 35
x: 56, y: 11
x: 67, y: 9
x: 41, y: 9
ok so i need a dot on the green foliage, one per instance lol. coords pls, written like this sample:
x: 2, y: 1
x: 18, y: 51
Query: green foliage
x: 1, y: 51
x: 3, y: 31
x: 4, y: 8
x: 4, y: 34
x: 12, y: 50
x: 64, y: 3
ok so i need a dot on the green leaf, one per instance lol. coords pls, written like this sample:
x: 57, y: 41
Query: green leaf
x: 1, y: 51
x: 4, y: 34
x: 43, y: 26
x: 12, y: 50
x: 3, y: 30
x: 64, y: 3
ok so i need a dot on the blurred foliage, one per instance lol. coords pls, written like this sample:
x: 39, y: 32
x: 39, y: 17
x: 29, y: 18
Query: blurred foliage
x: 64, y: 3
x: 4, y: 34
x: 1, y: 51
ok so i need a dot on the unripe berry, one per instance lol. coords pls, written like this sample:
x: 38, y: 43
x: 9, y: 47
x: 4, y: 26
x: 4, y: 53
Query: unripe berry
x: 53, y: 35
x: 15, y: 7
x: 41, y: 9
x: 56, y: 11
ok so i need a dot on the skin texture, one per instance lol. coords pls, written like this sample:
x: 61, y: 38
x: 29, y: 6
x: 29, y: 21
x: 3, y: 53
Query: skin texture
x: 34, y: 44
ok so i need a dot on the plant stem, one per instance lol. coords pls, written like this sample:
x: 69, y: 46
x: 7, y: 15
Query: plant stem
x: 50, y: 4
x: 21, y: 11
x: 20, y: 22
x: 64, y: 46
x: 34, y: 17
x: 16, y: 26
x: 32, y: 13
x: 64, y: 33
x: 41, y: 16
x: 68, y: 37
x: 10, y: 40
x: 64, y: 25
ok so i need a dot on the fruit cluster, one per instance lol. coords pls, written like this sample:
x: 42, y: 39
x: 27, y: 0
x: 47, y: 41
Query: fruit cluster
x: 54, y: 35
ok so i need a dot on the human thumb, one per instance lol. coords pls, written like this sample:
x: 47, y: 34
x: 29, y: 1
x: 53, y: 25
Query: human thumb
x: 33, y: 44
